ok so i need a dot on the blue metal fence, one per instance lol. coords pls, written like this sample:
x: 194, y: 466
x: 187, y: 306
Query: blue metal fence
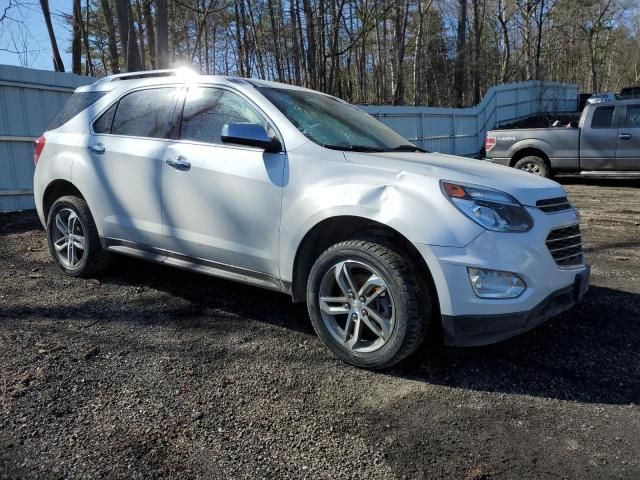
x: 461, y: 131
x: 29, y: 99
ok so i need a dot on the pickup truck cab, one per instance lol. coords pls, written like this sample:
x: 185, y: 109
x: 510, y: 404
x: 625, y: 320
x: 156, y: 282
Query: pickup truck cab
x: 606, y: 142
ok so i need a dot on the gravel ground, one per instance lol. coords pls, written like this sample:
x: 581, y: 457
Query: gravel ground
x: 156, y: 372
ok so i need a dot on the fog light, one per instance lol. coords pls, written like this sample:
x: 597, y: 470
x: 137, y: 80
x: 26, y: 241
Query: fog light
x: 495, y: 284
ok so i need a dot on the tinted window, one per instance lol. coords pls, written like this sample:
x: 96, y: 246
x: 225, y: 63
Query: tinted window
x: 145, y: 113
x: 603, y: 118
x: 207, y: 110
x: 633, y: 116
x: 103, y: 124
x: 76, y: 104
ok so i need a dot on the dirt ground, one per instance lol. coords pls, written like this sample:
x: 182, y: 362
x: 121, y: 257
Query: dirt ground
x: 155, y: 372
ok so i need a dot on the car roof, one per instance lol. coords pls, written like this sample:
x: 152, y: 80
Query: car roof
x: 179, y: 75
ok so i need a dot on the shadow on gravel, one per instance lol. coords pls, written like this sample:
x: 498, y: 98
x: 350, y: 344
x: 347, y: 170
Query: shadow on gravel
x: 588, y: 354
x: 19, y: 222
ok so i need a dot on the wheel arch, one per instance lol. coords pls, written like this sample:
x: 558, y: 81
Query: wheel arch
x: 56, y: 189
x: 529, y: 152
x: 337, y: 229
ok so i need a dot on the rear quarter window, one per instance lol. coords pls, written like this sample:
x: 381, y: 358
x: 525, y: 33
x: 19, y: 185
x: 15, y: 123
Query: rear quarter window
x: 77, y: 103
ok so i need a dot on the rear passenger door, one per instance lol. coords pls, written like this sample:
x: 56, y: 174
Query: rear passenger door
x: 628, y: 152
x: 599, y: 139
x: 125, y: 147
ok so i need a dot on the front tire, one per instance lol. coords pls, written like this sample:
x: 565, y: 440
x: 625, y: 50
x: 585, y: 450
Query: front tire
x: 73, y: 238
x: 365, y: 303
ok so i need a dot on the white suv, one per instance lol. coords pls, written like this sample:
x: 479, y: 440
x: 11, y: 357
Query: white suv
x: 293, y: 190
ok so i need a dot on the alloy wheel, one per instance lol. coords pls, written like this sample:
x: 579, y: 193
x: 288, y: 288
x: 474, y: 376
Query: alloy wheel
x: 68, y: 238
x: 357, y: 306
x: 531, y: 167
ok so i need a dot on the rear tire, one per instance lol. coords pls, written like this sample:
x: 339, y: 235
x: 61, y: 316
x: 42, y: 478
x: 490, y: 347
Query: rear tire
x: 535, y: 165
x: 388, y: 315
x: 73, y: 238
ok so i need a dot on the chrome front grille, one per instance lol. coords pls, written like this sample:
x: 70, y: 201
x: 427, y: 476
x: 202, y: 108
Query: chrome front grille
x: 565, y: 246
x: 552, y: 205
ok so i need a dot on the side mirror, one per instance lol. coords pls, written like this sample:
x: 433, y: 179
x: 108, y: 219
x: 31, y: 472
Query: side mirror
x: 250, y: 134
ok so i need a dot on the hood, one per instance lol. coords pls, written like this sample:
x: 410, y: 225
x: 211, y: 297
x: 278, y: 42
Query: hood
x: 525, y: 187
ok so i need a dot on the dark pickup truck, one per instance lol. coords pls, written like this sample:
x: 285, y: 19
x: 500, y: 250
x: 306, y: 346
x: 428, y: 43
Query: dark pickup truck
x: 606, y: 142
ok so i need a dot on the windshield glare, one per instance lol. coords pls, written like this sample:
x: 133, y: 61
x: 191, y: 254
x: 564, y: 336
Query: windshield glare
x: 332, y: 123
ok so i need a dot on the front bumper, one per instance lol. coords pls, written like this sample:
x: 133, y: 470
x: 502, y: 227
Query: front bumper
x: 476, y: 330
x: 470, y: 320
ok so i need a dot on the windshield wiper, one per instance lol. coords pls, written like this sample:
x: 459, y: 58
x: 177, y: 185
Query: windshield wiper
x: 354, y: 148
x: 364, y: 148
x: 407, y: 148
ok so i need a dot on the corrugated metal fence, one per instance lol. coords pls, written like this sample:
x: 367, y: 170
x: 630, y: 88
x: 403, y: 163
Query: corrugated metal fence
x: 29, y: 99
x: 461, y: 131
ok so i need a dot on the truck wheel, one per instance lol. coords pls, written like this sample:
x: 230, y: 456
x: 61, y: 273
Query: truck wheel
x: 535, y: 165
x: 365, y: 303
x: 73, y: 238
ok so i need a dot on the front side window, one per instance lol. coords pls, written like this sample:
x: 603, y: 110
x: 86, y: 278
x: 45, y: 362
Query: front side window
x: 633, y: 116
x: 332, y: 123
x: 207, y: 110
x: 603, y: 117
x: 144, y: 113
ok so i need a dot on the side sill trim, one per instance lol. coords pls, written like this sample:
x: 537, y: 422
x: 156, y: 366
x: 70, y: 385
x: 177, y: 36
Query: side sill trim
x: 195, y: 264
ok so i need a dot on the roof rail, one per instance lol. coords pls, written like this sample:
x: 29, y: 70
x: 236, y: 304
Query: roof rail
x: 170, y: 72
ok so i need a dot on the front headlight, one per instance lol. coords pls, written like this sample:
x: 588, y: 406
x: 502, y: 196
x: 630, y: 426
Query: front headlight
x: 492, y: 209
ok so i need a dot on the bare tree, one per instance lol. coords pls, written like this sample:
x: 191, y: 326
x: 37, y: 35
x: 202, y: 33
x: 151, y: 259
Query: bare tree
x: 461, y: 46
x: 58, y: 66
x: 162, y: 38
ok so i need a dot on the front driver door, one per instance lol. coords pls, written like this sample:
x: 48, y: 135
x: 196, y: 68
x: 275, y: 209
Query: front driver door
x: 221, y: 202
x: 599, y: 139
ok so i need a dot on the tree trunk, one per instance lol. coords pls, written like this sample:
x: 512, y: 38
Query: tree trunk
x: 504, y: 28
x: 477, y: 32
x: 58, y: 66
x: 461, y: 45
x: 76, y: 39
x: 111, y: 35
x: 151, y: 34
x: 143, y: 55
x: 162, y: 39
x: 133, y: 52
x: 122, y: 10
x: 85, y: 35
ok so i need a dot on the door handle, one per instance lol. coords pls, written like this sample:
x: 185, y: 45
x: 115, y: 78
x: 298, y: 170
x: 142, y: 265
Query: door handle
x: 625, y: 136
x: 179, y: 163
x: 97, y: 148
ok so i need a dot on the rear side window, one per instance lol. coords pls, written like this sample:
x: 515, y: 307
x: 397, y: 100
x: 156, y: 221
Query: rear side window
x: 603, y: 117
x: 633, y: 116
x: 145, y: 113
x: 78, y: 102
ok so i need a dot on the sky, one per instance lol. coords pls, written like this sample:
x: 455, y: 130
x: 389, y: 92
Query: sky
x: 25, y: 26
